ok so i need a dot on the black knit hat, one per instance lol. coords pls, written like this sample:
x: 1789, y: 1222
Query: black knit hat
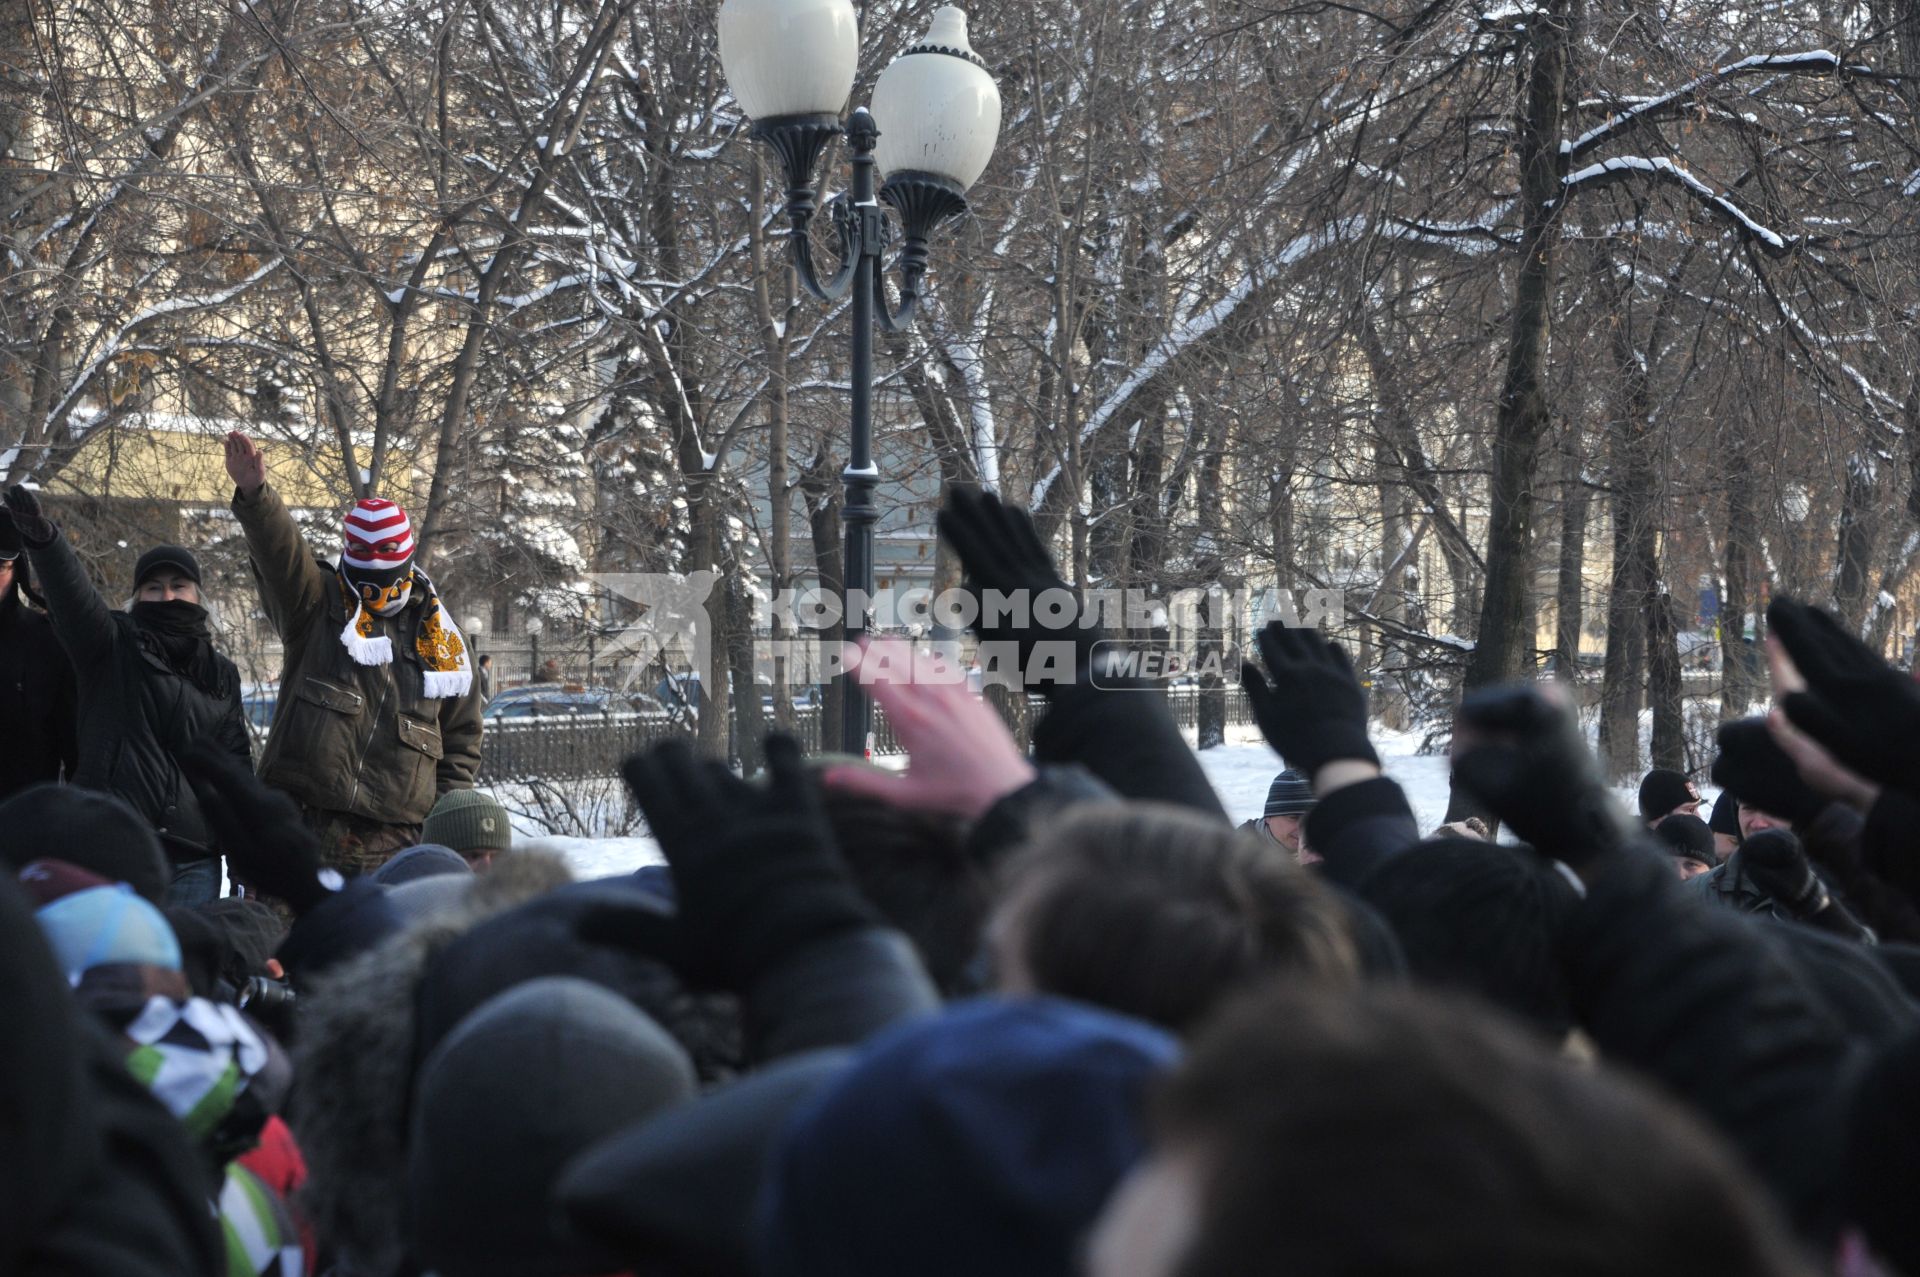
x: 9, y: 540
x: 95, y: 831
x: 177, y: 557
x: 1291, y: 794
x: 1662, y: 790
x: 1687, y: 837
x: 1726, y: 815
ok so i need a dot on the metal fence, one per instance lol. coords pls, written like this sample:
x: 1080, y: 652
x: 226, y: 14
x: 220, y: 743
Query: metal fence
x: 591, y: 746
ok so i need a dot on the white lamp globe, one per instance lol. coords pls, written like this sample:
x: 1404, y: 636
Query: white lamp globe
x: 937, y: 108
x: 789, y: 57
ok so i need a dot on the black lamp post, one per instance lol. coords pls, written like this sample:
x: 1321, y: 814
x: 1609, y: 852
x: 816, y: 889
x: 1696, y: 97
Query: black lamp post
x: 790, y: 64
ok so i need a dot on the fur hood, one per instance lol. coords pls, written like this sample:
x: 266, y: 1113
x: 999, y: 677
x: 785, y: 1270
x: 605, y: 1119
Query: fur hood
x: 354, y: 1063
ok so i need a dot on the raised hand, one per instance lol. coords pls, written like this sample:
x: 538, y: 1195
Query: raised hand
x: 1521, y: 753
x: 1863, y: 711
x: 961, y: 757
x: 35, y: 528
x: 755, y: 868
x: 246, y: 466
x: 1752, y: 765
x: 259, y: 828
x: 1000, y: 551
x: 1310, y: 706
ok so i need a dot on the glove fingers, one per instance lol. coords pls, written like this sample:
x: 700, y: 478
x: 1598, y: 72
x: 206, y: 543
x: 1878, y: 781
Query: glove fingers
x: 1487, y: 772
x: 1337, y: 656
x: 651, y: 791
x: 1024, y: 537
x: 1280, y: 646
x: 786, y: 768
x: 964, y: 523
x: 1507, y: 709
x: 1807, y: 641
x: 1817, y: 719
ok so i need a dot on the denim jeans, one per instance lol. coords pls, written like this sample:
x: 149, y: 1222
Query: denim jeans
x: 195, y: 882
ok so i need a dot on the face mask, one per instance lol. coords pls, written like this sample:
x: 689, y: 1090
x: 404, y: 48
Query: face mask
x: 383, y: 599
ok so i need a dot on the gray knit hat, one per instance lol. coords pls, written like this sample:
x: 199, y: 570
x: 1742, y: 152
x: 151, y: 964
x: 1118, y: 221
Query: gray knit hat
x: 1291, y: 794
x: 469, y: 822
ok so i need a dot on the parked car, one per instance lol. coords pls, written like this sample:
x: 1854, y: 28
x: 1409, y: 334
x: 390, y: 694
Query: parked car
x: 258, y: 704
x: 563, y: 700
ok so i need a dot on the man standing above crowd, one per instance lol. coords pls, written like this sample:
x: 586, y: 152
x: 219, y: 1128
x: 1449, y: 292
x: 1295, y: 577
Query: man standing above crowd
x: 379, y: 711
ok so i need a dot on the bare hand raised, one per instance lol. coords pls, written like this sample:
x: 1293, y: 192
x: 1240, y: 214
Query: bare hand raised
x: 245, y: 464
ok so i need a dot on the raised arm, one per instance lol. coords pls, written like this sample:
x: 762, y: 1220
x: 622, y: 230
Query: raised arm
x: 293, y: 584
x: 81, y: 619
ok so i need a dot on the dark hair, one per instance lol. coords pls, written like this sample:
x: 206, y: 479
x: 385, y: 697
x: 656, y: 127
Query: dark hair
x: 914, y: 868
x: 1157, y: 912
x: 1480, y: 917
x: 1385, y: 1131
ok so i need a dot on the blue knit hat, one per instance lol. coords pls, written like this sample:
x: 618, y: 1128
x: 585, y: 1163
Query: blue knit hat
x: 1291, y: 794
x: 109, y: 924
x: 982, y: 1140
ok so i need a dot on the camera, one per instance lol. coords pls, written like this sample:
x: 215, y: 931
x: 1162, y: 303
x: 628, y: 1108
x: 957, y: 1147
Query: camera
x: 263, y: 995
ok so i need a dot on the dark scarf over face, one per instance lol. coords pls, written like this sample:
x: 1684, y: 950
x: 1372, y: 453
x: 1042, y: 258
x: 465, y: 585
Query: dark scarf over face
x: 178, y: 630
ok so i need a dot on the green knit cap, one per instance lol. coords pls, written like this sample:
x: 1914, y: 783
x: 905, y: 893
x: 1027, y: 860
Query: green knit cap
x: 468, y: 821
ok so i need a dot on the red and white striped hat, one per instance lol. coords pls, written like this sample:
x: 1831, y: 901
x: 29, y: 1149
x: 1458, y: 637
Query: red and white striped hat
x: 374, y: 522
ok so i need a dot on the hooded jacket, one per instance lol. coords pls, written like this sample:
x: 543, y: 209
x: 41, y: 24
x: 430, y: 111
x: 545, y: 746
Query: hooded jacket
x: 36, y: 698
x: 361, y: 739
x: 136, y: 713
x: 355, y: 1060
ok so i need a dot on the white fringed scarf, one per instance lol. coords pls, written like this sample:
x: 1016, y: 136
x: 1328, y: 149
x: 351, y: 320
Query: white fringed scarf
x: 441, y: 647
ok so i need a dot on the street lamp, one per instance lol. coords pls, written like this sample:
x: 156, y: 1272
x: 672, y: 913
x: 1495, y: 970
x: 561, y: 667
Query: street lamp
x: 790, y: 64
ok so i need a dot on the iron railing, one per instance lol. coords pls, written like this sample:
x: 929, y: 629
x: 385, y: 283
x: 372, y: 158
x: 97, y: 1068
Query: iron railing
x: 586, y: 746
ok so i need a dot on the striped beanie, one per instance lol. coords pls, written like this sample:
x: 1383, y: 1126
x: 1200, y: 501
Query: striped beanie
x: 375, y: 521
x: 1291, y: 794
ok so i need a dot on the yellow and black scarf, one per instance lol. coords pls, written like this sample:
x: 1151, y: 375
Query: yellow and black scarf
x: 441, y: 647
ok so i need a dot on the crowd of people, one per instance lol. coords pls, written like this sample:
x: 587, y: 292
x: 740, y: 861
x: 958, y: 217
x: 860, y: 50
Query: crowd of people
x: 998, y: 1012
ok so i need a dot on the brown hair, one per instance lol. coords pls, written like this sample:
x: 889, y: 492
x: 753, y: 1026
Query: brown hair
x: 1156, y: 912
x: 1390, y: 1131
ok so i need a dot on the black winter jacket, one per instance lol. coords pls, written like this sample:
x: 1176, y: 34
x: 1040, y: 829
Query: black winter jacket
x: 36, y: 700
x: 135, y: 712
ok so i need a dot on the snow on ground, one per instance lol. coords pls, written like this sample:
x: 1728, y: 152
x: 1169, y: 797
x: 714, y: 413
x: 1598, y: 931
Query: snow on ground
x: 1240, y: 771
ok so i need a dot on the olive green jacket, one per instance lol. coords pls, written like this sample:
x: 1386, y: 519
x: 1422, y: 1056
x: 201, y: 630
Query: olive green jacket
x: 346, y: 737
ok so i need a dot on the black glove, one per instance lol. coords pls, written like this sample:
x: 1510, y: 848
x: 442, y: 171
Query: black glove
x: 1865, y: 712
x: 1000, y: 550
x: 1314, y: 711
x: 1530, y: 765
x: 755, y: 869
x: 1775, y: 862
x: 266, y: 842
x: 1751, y: 762
x: 35, y: 528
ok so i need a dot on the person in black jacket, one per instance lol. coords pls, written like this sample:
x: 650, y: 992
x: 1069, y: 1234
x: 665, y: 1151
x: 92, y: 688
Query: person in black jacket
x: 36, y: 683
x: 151, y: 684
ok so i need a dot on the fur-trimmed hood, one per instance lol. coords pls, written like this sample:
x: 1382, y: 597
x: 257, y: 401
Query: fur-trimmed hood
x: 355, y: 1062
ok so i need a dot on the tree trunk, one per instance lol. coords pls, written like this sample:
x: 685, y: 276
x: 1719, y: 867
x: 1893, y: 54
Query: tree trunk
x: 1663, y: 685
x: 1210, y: 715
x: 1739, y: 660
x: 1569, y: 599
x: 1503, y: 647
x: 1859, y: 524
x: 749, y: 721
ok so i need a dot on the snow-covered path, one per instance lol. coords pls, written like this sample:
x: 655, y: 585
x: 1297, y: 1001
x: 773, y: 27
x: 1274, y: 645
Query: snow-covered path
x: 1240, y: 772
